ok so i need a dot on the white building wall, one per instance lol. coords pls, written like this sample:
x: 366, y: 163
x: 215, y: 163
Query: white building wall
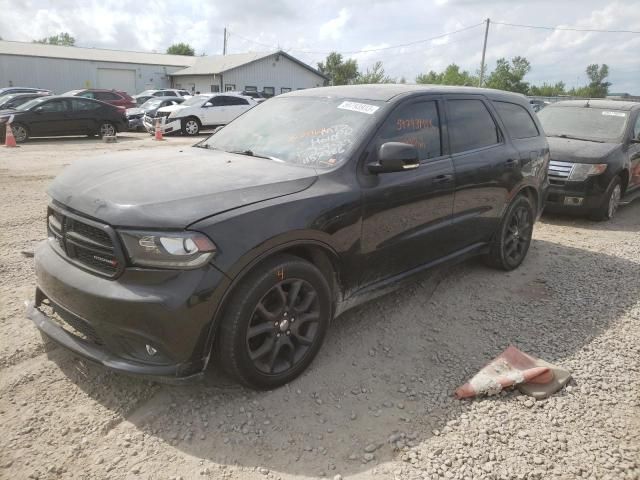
x: 62, y: 75
x: 196, y: 83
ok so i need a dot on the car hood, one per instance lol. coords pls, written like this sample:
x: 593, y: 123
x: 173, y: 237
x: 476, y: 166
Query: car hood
x: 579, y: 151
x: 173, y: 187
x: 172, y: 108
x: 9, y: 111
x: 134, y: 111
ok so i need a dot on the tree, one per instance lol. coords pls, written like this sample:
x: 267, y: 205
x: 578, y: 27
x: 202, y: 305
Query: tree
x: 181, y: 49
x: 374, y: 75
x: 597, y: 86
x: 339, y: 72
x: 509, y: 75
x: 548, y: 90
x: 63, y: 38
x: 450, y: 76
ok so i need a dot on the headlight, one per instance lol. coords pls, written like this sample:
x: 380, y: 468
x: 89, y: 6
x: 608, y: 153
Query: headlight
x: 581, y: 171
x: 179, y: 250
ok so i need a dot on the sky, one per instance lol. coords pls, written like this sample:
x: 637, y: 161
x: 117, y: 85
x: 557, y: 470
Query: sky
x: 310, y: 29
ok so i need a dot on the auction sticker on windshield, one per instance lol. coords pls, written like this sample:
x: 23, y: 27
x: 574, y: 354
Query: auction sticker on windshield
x: 359, y: 107
x: 614, y: 114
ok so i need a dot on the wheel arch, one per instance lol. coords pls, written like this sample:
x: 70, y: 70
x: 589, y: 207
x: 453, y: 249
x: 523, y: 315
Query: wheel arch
x: 624, y: 179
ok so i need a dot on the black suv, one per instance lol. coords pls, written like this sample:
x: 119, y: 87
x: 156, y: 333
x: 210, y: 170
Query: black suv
x: 246, y: 247
x: 595, y: 155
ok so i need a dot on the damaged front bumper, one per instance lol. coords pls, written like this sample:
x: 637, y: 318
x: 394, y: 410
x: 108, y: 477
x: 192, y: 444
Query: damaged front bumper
x: 172, y: 126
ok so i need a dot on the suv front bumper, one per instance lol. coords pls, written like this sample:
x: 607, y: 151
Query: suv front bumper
x: 112, y: 322
x: 576, y: 196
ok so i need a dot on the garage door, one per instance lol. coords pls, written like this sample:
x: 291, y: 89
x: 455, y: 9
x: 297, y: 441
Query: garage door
x: 117, y: 79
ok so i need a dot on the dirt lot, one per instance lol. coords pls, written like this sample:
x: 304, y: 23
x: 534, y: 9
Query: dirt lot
x: 377, y: 401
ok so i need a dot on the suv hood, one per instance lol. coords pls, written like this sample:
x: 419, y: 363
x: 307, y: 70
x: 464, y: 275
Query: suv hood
x: 579, y: 151
x: 173, y: 187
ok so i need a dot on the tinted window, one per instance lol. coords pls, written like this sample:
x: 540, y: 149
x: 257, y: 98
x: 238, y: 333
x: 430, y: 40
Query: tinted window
x: 517, y: 120
x: 183, y: 92
x: 83, y: 105
x: 106, y: 96
x: 219, y: 101
x: 417, y: 124
x: 636, y: 129
x: 470, y: 125
x: 54, y: 106
x: 236, y: 101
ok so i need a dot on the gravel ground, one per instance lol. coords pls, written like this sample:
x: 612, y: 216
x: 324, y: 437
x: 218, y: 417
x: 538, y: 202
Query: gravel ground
x: 377, y: 402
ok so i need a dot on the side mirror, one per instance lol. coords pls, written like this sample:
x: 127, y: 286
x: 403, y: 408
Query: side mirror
x: 395, y: 157
x: 39, y: 110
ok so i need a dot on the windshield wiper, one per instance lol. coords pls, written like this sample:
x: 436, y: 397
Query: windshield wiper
x: 251, y: 153
x: 571, y: 137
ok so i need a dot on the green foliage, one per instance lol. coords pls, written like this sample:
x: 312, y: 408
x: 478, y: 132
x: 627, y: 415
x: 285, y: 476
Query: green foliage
x: 597, y: 87
x: 339, y: 71
x: 509, y: 75
x: 374, y: 75
x: 63, y: 38
x: 450, y: 76
x: 181, y: 49
x: 548, y: 90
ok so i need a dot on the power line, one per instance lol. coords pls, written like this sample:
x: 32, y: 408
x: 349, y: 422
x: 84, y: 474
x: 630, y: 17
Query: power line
x: 568, y: 29
x: 351, y: 52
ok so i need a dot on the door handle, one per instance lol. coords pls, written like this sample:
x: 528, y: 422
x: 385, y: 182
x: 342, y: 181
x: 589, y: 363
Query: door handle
x: 511, y: 163
x: 443, y: 178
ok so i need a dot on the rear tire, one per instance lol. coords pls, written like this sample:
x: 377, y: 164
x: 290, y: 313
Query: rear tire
x: 274, y: 323
x: 511, y: 242
x: 611, y: 202
x: 191, y: 126
x: 106, y: 129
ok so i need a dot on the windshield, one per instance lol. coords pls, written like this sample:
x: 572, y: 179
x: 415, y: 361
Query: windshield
x: 587, y: 123
x: 31, y: 103
x: 197, y: 100
x: 311, y: 131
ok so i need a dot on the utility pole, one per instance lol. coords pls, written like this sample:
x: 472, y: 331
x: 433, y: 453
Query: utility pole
x: 224, y: 44
x: 484, y: 51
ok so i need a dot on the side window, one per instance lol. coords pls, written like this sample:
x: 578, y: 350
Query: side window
x: 106, y: 96
x: 636, y: 129
x: 87, y: 95
x: 237, y: 101
x: 170, y: 93
x: 184, y: 92
x: 218, y: 101
x: 470, y: 125
x: 54, y: 106
x: 517, y: 120
x: 78, y: 105
x: 416, y: 123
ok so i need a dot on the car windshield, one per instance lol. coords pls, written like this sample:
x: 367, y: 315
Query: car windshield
x: 589, y: 123
x: 311, y: 131
x: 31, y: 103
x: 197, y: 100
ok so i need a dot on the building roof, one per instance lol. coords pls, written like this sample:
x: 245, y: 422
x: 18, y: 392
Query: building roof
x: 213, y: 65
x: 609, y: 104
x: 387, y: 91
x: 95, y: 54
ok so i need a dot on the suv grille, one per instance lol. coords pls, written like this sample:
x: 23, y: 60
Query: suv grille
x: 89, y: 244
x: 559, y: 172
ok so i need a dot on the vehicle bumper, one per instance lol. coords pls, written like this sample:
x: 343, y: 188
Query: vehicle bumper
x: 112, y: 321
x: 135, y: 123
x: 579, y: 197
x: 172, y: 126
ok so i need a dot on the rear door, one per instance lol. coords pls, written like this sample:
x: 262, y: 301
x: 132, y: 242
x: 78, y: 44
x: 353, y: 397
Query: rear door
x: 109, y: 97
x: 52, y: 118
x: 216, y: 111
x: 407, y: 215
x: 83, y: 115
x: 237, y: 106
x: 485, y: 167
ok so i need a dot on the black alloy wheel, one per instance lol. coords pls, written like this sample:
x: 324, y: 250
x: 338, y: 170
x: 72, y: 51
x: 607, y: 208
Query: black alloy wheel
x: 283, y: 326
x: 512, y: 240
x: 274, y: 322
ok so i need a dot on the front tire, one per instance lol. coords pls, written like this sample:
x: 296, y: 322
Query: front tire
x: 191, y: 126
x: 20, y: 132
x: 511, y: 242
x: 275, y: 323
x: 610, y: 205
x: 106, y: 129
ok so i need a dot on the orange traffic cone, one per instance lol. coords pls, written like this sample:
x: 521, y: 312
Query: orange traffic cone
x: 159, y: 129
x: 9, y: 139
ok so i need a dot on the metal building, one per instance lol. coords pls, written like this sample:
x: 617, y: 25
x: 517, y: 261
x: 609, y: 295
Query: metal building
x: 61, y: 69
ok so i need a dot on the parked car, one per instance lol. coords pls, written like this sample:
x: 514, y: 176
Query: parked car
x: 142, y: 97
x: 135, y: 115
x: 209, y: 110
x: 8, y: 90
x: 112, y: 97
x: 12, y: 100
x: 58, y: 115
x: 537, y: 105
x: 595, y: 155
x: 245, y: 248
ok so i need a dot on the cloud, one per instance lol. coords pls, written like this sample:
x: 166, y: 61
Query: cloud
x: 333, y: 28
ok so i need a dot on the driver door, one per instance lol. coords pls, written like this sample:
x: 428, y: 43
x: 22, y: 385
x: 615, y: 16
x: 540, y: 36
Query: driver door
x: 52, y: 118
x: 407, y: 215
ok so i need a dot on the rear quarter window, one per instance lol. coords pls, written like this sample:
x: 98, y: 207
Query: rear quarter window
x: 517, y: 120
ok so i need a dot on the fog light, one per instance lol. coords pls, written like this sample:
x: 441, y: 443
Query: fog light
x: 575, y: 201
x: 151, y: 351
